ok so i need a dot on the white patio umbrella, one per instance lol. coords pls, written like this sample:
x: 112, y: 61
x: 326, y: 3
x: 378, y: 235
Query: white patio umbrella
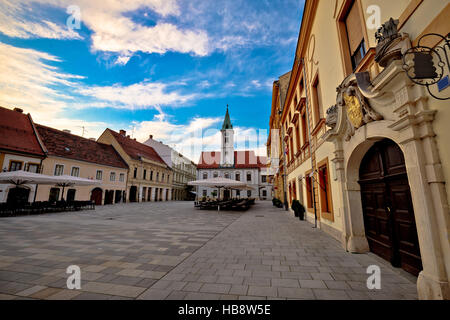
x: 218, y: 183
x: 21, y: 177
x: 69, y: 181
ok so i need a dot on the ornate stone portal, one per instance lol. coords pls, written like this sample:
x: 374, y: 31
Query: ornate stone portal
x: 391, y: 106
x: 354, y: 107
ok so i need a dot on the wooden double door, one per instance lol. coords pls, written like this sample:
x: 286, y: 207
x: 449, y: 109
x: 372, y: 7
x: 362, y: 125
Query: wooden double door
x: 387, y: 206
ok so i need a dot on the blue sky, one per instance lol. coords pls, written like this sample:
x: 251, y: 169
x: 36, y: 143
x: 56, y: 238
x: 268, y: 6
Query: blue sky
x: 161, y: 67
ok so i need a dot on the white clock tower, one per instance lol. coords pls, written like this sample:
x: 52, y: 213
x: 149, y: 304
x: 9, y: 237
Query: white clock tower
x: 227, y: 152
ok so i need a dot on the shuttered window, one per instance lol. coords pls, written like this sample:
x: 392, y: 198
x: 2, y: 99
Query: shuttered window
x: 355, y: 35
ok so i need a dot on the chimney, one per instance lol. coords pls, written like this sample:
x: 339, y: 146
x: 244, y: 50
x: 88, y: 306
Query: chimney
x: 123, y: 133
x: 18, y: 110
x: 151, y: 137
x: 66, y: 131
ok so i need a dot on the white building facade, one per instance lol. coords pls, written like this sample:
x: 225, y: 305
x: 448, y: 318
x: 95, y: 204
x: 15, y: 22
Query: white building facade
x: 184, y: 170
x: 242, y: 166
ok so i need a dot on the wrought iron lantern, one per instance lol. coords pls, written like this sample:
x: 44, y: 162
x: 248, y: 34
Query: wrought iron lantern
x: 427, y: 66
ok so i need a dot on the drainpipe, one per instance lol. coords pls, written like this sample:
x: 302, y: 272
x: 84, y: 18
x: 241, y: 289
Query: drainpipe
x: 310, y: 141
x: 286, y: 205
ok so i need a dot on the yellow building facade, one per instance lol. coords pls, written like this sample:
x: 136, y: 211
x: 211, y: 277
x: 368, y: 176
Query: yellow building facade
x: 275, y: 150
x: 149, y: 177
x: 369, y: 160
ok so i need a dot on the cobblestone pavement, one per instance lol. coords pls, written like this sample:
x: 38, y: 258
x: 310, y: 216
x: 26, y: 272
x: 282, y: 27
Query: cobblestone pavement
x: 172, y: 251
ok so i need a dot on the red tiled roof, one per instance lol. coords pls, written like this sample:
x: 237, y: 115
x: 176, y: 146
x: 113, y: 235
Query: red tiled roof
x: 66, y: 145
x: 135, y: 149
x: 242, y: 160
x: 17, y: 133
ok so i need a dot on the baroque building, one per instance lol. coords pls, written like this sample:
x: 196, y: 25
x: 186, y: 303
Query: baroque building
x: 370, y: 163
x: 237, y: 165
x: 149, y: 177
x: 275, y: 151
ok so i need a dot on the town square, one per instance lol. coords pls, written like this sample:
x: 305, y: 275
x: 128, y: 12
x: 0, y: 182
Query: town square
x: 224, y: 150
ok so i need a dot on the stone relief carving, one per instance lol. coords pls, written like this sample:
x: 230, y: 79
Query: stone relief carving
x: 332, y: 117
x: 353, y: 108
x: 391, y: 45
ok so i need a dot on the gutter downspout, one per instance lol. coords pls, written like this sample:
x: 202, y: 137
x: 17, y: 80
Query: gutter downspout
x: 310, y: 141
x: 286, y: 205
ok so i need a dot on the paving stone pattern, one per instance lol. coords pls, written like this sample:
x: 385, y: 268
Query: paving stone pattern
x: 172, y: 251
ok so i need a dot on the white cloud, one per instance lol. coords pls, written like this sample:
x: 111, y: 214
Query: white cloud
x: 112, y: 30
x: 19, y: 21
x: 141, y: 95
x: 30, y: 80
x: 199, y: 134
x: 189, y: 139
x: 123, y: 60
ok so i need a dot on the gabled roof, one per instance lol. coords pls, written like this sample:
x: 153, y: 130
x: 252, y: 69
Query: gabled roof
x: 242, y: 160
x: 137, y: 150
x: 66, y: 145
x: 17, y: 133
x: 227, y: 122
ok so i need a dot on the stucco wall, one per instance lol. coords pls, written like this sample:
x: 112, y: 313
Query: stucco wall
x: 87, y: 171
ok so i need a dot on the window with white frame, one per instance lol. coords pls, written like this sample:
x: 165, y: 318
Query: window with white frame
x: 59, y: 170
x: 216, y: 174
x: 205, y: 175
x: 75, y: 172
x: 122, y: 177
x: 99, y: 175
x: 33, y: 167
x: 112, y: 176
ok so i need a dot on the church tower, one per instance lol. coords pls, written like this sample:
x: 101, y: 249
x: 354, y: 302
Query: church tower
x: 227, y: 151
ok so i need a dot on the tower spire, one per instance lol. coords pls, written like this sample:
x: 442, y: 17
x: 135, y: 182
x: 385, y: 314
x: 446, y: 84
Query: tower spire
x: 227, y: 122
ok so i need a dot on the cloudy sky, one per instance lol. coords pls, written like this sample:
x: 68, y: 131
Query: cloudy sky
x: 161, y: 67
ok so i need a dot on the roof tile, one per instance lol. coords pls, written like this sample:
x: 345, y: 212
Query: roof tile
x: 135, y: 149
x: 66, y: 145
x: 242, y: 160
x: 17, y: 133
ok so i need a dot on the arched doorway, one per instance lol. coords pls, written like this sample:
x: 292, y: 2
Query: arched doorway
x: 96, y: 196
x: 387, y: 207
